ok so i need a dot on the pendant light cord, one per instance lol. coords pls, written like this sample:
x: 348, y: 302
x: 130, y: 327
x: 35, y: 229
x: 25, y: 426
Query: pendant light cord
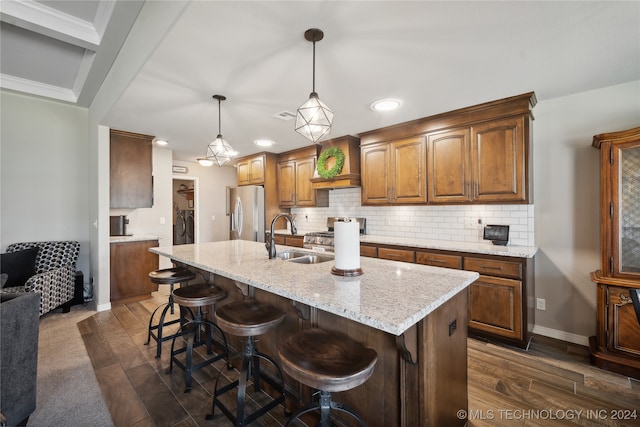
x: 314, y: 67
x: 219, y: 120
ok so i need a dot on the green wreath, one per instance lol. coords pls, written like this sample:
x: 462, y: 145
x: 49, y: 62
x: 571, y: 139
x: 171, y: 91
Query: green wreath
x: 334, y: 152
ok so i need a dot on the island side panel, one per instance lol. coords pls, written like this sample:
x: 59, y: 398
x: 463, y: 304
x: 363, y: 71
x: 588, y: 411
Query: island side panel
x: 377, y: 401
x: 443, y: 364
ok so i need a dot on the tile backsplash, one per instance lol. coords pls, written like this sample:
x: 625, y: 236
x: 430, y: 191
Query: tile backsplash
x: 452, y: 222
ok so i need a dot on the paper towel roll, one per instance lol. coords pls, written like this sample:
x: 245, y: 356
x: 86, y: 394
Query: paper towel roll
x: 347, y: 245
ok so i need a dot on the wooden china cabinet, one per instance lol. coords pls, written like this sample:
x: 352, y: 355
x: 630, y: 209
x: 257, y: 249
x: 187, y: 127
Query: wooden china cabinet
x: 616, y: 346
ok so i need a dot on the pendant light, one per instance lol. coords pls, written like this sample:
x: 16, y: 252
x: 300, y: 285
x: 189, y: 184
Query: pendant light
x: 314, y: 118
x: 219, y: 151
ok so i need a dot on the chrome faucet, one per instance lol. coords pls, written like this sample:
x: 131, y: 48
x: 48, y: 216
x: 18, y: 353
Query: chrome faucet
x: 270, y: 242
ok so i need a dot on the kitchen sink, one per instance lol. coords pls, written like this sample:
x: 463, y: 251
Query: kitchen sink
x: 311, y: 259
x: 288, y: 255
x: 303, y: 257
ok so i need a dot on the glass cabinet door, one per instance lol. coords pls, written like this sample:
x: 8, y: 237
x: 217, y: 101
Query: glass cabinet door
x: 626, y: 210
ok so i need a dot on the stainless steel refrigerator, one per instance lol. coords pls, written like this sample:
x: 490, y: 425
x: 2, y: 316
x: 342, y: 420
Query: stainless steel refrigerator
x: 245, y: 206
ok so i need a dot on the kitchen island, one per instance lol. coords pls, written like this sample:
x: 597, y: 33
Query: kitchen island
x: 414, y: 316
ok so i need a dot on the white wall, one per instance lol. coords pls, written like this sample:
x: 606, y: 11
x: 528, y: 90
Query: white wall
x: 44, y: 173
x: 567, y: 202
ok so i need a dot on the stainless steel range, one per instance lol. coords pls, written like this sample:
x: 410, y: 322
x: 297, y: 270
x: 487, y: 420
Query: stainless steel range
x: 323, y: 240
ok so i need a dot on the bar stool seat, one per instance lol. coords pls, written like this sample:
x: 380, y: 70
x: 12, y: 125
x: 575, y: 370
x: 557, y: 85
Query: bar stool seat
x: 166, y: 276
x: 197, y: 296
x: 328, y: 362
x: 249, y: 318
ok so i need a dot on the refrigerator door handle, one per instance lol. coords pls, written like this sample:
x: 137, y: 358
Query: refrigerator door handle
x: 238, y: 216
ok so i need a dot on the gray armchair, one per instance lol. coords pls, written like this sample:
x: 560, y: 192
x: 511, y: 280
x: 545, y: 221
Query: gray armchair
x: 18, y: 356
x: 55, y: 273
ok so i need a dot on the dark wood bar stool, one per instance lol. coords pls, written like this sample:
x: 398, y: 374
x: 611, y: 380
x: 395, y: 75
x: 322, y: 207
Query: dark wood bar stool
x: 166, y: 276
x: 249, y: 318
x: 328, y: 362
x: 197, y: 296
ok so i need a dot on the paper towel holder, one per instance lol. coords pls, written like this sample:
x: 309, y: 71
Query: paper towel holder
x: 347, y: 273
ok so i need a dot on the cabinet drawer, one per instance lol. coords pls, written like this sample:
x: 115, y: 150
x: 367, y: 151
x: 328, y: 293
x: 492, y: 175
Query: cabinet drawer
x: 280, y: 240
x: 396, y: 254
x: 295, y: 241
x: 439, y: 260
x: 494, y: 268
x: 370, y: 251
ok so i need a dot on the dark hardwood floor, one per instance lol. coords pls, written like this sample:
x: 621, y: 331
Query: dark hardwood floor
x: 552, y: 384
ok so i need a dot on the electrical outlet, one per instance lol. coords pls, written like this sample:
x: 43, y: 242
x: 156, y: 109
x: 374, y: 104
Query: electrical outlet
x: 470, y: 224
x: 162, y: 220
x: 541, y: 304
x: 452, y: 327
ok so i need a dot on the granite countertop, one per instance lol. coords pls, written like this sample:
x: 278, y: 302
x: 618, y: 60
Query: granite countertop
x: 132, y: 238
x: 390, y: 296
x: 483, y: 247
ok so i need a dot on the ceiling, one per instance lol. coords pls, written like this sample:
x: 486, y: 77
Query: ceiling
x: 435, y: 56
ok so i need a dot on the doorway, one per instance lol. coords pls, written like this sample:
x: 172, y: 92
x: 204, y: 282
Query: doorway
x: 184, y: 211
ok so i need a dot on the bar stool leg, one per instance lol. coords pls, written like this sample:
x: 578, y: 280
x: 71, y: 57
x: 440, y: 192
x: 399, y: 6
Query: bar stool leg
x: 194, y: 339
x: 249, y: 370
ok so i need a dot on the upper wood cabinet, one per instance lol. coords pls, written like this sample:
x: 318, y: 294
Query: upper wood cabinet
x: 479, y: 154
x: 500, y: 160
x: 485, y: 163
x: 620, y: 203
x: 294, y: 171
x: 448, y: 165
x: 130, y: 170
x: 260, y: 169
x: 251, y: 170
x: 394, y: 172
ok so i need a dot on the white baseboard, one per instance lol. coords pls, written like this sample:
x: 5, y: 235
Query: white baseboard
x: 103, y: 307
x: 561, y: 335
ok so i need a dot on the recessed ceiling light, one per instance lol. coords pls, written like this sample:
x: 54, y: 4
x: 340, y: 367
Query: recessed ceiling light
x: 387, y: 104
x: 263, y: 142
x: 162, y: 142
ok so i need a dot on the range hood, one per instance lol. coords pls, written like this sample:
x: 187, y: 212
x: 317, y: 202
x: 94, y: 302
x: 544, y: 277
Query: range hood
x: 349, y: 176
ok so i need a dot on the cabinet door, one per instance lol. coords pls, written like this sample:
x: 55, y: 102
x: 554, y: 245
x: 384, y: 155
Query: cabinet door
x: 243, y: 170
x: 624, y: 206
x: 131, y: 263
x: 624, y: 329
x: 130, y: 170
x: 498, y: 158
x: 256, y: 170
x: 408, y: 170
x: 495, y: 306
x: 305, y: 194
x: 375, y: 174
x: 448, y: 167
x: 286, y: 177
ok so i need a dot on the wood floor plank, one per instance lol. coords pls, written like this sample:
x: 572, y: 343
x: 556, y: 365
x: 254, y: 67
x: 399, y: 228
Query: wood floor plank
x: 123, y: 401
x: 160, y: 402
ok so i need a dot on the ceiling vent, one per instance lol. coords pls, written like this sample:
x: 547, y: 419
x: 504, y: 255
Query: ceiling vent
x: 285, y: 115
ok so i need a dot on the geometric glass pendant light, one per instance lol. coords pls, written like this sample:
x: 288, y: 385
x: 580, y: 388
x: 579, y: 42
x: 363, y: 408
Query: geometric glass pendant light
x: 314, y: 118
x: 219, y: 151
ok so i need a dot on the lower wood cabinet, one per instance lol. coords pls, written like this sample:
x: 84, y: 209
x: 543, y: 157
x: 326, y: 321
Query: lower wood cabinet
x: 616, y: 345
x: 396, y: 254
x: 131, y: 263
x: 495, y: 306
x: 500, y: 301
x: 289, y: 240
